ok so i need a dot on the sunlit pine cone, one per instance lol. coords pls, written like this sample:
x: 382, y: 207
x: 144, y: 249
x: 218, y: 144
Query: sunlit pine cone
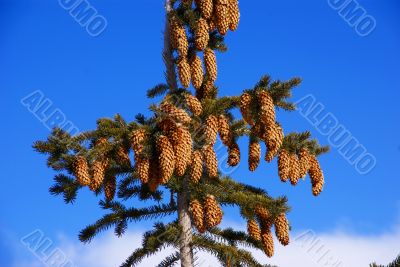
x: 268, y: 242
x: 222, y: 16
x: 154, y: 175
x: 137, y: 140
x: 211, y: 129
x: 316, y: 176
x: 254, y: 155
x: 210, y: 62
x: 254, y: 229
x: 262, y: 213
x: 284, y: 165
x: 110, y: 187
x: 123, y: 156
x: 211, y: 24
x: 197, y: 212
x: 177, y: 114
x: 282, y: 229
x: 182, y: 144
x: 142, y: 168
x: 81, y: 170
x: 213, y: 212
x: 304, y: 161
x: 197, y: 73
x: 224, y: 129
x: 234, y: 14
x: 267, y: 108
x: 98, y: 172
x: 194, y: 104
x: 196, y: 170
x: 294, y: 173
x: 206, y: 8
x: 202, y: 35
x: 184, y: 71
x: 166, y: 158
x: 245, y: 104
x: 211, y: 161
x: 178, y: 36
x: 274, y: 139
x: 233, y: 155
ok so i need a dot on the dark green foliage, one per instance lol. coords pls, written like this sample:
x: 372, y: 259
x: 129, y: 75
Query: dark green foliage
x: 395, y: 263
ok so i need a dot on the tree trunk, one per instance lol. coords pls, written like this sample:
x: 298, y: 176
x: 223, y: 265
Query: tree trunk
x: 185, y: 238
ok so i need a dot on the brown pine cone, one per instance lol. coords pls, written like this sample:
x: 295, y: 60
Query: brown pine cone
x: 282, y: 229
x: 225, y: 132
x: 182, y: 144
x: 175, y: 113
x: 222, y: 16
x: 254, y: 155
x: 196, y: 170
x: 262, y: 213
x: 154, y: 175
x: 294, y: 173
x: 210, y: 62
x: 211, y: 24
x: 304, y: 161
x: 123, y: 156
x: 194, y: 104
x: 267, y: 108
x: 245, y: 103
x: 211, y: 129
x: 274, y: 138
x: 202, y: 34
x: 184, y: 71
x: 196, y: 209
x: 316, y: 175
x: 213, y: 212
x: 166, y: 158
x: 142, y: 168
x: 268, y: 243
x: 233, y: 155
x: 284, y: 165
x: 206, y: 8
x: 197, y: 73
x: 234, y: 14
x: 206, y: 89
x: 98, y: 170
x: 138, y: 137
x: 178, y: 35
x: 254, y: 229
x: 187, y: 3
x: 81, y: 170
x: 211, y: 161
x: 110, y: 188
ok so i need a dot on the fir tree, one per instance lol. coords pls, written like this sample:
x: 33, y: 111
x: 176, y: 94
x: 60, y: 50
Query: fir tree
x: 394, y: 263
x: 169, y: 160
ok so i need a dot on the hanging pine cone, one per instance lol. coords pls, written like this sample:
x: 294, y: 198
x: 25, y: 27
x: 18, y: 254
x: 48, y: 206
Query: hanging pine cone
x: 213, y: 212
x: 154, y: 175
x: 262, y: 213
x: 210, y: 62
x: 196, y: 209
x: 178, y: 36
x: 316, y: 175
x: 225, y: 132
x: 184, y: 71
x: 254, y: 229
x: 245, y: 104
x: 142, y: 168
x: 268, y: 243
x: 233, y: 155
x: 304, y: 161
x: 182, y: 144
x: 202, y: 34
x: 175, y: 113
x: 234, y: 14
x: 207, y: 88
x: 211, y: 161
x: 197, y: 74
x: 211, y: 129
x: 137, y: 140
x: 123, y: 156
x: 196, y: 170
x: 294, y: 173
x: 267, y: 108
x: 222, y: 16
x: 211, y: 24
x: 194, y: 104
x: 282, y: 229
x: 81, y: 171
x: 98, y: 170
x: 274, y: 139
x: 254, y: 155
x: 166, y: 158
x: 206, y: 8
x: 284, y: 165
x: 110, y: 188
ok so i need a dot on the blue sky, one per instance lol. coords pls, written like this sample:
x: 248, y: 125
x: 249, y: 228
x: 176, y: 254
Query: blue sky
x: 356, y: 78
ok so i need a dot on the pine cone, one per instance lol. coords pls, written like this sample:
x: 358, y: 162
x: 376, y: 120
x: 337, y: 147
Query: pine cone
x: 142, y: 169
x: 178, y: 37
x: 210, y: 62
x: 123, y: 156
x: 166, y: 158
x: 225, y: 131
x: 294, y: 173
x: 197, y: 212
x: 194, y: 104
x: 197, y: 74
x: 184, y: 71
x: 282, y: 229
x: 284, y: 165
x: 137, y: 140
x: 196, y: 170
x: 213, y: 212
x: 222, y: 16
x: 98, y: 169
x: 233, y: 155
x: 267, y: 108
x: 234, y: 14
x: 304, y: 161
x: 206, y: 89
x: 254, y: 155
x: 206, y: 8
x: 175, y: 113
x: 316, y: 176
x: 262, y: 213
x: 274, y: 139
x: 211, y: 129
x: 154, y: 175
x: 268, y: 243
x: 211, y: 161
x: 182, y: 144
x: 81, y: 170
x: 245, y: 103
x: 211, y: 24
x: 254, y: 229
x: 202, y: 34
x: 110, y: 188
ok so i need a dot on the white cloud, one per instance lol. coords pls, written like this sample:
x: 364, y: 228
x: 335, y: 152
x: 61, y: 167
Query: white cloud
x: 307, y: 249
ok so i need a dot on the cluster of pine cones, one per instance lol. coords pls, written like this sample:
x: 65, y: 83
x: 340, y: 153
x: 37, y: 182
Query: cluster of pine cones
x: 205, y: 216
x: 260, y: 229
x: 93, y: 175
x: 220, y: 15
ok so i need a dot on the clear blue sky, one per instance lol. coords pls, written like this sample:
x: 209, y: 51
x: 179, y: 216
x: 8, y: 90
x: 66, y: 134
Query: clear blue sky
x: 356, y: 78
